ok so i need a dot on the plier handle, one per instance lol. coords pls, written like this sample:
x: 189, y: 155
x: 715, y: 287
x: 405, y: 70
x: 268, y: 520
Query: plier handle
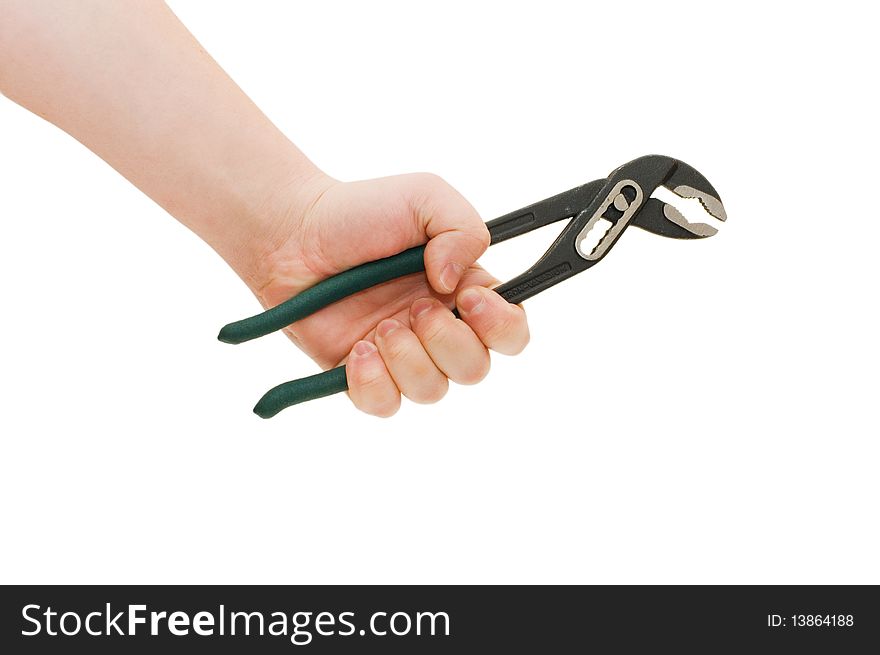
x: 612, y: 203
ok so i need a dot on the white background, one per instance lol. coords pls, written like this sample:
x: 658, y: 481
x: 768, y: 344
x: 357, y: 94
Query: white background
x: 686, y: 412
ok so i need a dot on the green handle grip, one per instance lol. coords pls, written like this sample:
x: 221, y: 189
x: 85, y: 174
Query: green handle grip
x: 299, y: 391
x: 323, y: 294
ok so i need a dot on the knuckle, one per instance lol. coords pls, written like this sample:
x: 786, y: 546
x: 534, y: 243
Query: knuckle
x: 474, y: 371
x: 474, y: 234
x: 431, y: 180
x: 428, y: 395
x: 376, y: 401
x: 481, y: 233
x: 385, y: 409
x: 366, y: 378
x: 427, y: 184
x: 395, y: 347
x: 509, y: 333
x: 430, y: 327
x: 501, y: 328
x: 520, y: 344
x: 372, y: 389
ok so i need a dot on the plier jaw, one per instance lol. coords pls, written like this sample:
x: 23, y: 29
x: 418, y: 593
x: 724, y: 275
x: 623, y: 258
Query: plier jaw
x: 686, y: 182
x: 621, y: 199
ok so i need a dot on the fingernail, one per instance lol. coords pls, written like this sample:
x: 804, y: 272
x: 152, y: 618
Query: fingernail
x: 450, y: 275
x: 421, y: 306
x: 387, y: 326
x: 470, y: 301
x: 363, y: 348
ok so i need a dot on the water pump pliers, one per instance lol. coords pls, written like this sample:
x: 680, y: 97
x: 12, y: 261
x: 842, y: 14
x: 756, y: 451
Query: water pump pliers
x: 611, y: 204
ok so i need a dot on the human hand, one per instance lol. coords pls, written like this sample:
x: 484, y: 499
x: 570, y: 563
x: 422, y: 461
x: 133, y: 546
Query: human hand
x: 187, y: 136
x: 400, y: 337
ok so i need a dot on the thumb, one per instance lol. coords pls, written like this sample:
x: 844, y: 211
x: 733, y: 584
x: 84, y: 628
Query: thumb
x: 457, y: 234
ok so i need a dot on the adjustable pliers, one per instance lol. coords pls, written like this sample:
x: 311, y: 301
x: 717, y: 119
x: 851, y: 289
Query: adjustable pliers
x: 612, y: 203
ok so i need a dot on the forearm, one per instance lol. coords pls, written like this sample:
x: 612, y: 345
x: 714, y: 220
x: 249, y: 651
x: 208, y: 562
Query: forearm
x: 131, y: 83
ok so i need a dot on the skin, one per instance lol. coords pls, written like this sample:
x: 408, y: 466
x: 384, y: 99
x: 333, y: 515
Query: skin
x: 133, y: 85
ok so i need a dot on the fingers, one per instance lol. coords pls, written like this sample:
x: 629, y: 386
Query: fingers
x: 451, y: 344
x: 369, y: 384
x: 410, y: 366
x: 418, y: 361
x: 457, y: 234
x: 500, y: 325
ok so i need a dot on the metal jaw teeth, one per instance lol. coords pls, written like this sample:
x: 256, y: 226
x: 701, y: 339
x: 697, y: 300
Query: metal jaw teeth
x: 697, y: 229
x: 710, y: 203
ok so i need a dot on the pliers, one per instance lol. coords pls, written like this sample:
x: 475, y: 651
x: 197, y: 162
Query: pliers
x: 612, y: 203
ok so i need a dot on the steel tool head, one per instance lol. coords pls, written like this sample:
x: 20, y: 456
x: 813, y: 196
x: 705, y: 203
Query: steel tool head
x: 684, y: 181
x: 621, y: 199
x: 625, y: 199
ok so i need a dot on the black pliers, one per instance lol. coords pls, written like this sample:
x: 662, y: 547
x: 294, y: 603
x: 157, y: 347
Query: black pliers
x: 610, y: 204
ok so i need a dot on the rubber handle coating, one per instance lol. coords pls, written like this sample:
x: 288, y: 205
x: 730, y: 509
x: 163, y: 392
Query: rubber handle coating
x: 325, y: 293
x: 299, y: 391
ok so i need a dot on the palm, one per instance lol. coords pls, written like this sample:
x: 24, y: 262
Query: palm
x: 348, y: 225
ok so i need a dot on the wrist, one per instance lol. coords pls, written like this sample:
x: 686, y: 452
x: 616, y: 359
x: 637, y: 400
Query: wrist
x: 265, y: 249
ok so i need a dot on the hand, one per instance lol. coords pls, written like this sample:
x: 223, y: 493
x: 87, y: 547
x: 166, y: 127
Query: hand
x: 400, y: 337
x: 187, y: 136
